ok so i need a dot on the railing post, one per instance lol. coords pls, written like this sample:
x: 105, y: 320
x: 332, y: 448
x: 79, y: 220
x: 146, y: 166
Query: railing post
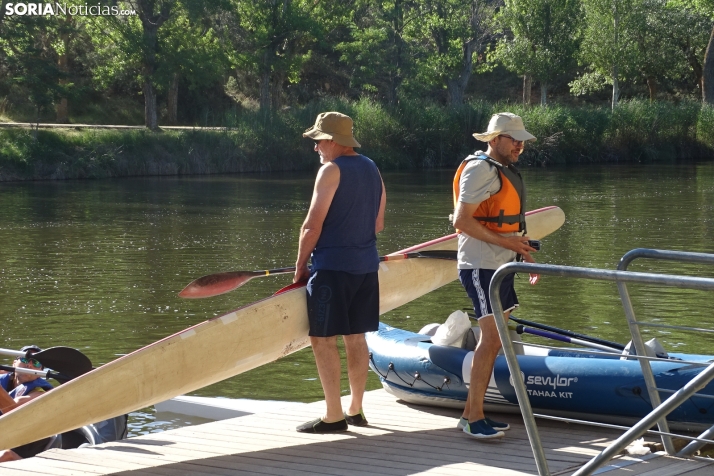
x: 645, y: 365
x: 514, y: 368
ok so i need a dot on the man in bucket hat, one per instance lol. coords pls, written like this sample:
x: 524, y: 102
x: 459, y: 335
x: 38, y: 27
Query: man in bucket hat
x: 489, y: 214
x: 339, y: 234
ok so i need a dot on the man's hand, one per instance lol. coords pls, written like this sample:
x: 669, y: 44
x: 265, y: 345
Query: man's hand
x: 519, y: 244
x: 534, y: 278
x: 302, y: 273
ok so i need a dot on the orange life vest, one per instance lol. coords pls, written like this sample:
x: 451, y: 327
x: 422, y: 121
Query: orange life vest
x: 504, y: 211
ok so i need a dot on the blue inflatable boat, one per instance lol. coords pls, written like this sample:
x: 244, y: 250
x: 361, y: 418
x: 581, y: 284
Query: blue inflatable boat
x: 567, y: 383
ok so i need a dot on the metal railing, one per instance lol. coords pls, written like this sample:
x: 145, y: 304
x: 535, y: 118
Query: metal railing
x: 634, y: 325
x: 619, y: 277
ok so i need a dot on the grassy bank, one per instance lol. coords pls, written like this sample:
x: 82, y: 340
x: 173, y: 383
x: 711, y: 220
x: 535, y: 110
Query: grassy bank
x: 413, y: 135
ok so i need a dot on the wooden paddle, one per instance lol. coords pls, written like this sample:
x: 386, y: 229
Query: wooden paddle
x: 220, y: 283
x: 65, y: 360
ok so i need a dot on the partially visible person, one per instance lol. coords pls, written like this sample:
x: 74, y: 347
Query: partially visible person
x: 489, y: 213
x: 18, y: 388
x: 339, y: 235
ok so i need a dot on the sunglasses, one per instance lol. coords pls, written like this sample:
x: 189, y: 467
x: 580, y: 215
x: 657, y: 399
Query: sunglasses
x: 35, y: 363
x: 512, y: 139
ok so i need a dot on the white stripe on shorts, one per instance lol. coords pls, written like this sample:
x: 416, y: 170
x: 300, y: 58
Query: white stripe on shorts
x: 483, y: 305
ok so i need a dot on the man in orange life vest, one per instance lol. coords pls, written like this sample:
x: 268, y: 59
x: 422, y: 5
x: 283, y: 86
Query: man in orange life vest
x: 489, y: 213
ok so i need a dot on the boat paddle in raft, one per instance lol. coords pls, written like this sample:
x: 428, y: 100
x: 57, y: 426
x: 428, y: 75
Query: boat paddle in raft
x: 248, y: 337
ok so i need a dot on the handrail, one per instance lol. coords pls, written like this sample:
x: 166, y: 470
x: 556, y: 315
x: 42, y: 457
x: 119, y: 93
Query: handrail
x: 634, y: 325
x: 618, y: 276
x: 694, y: 385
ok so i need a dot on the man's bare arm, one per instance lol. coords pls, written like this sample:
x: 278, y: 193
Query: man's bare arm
x: 328, y: 179
x: 379, y: 225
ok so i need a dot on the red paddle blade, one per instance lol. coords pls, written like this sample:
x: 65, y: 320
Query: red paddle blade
x: 215, y: 284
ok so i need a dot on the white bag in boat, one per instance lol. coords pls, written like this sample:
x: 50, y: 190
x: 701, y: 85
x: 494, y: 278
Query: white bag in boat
x: 452, y: 331
x: 652, y: 346
x: 429, y: 329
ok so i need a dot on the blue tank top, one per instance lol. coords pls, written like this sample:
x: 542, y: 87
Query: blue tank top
x: 348, y: 241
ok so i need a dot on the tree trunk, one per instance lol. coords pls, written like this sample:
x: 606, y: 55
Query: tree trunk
x: 172, y: 101
x: 62, y: 107
x: 527, y: 80
x: 543, y: 94
x: 151, y: 120
x: 265, y: 92
x: 62, y: 110
x: 615, y: 72
x: 150, y: 23
x: 276, y: 90
x: 708, y: 75
x: 457, y: 86
x: 456, y: 93
x: 615, y: 87
x: 652, y: 86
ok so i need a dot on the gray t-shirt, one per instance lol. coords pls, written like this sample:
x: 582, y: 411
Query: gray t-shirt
x: 479, y: 180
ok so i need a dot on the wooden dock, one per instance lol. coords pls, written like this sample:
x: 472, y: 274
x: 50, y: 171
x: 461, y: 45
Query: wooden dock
x: 401, y: 440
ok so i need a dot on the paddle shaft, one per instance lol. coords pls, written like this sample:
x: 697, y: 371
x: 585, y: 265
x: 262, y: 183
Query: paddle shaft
x: 393, y: 257
x: 607, y: 343
x: 12, y: 353
x: 570, y: 340
x: 434, y: 254
x: 220, y: 283
x: 40, y: 373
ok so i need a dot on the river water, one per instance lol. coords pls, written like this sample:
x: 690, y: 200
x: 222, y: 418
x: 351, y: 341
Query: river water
x: 97, y: 264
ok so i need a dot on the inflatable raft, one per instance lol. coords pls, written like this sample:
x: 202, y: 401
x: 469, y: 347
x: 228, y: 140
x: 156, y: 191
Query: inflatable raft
x: 568, y: 382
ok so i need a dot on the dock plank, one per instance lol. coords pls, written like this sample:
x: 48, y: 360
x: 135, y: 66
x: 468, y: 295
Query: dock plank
x: 401, y: 439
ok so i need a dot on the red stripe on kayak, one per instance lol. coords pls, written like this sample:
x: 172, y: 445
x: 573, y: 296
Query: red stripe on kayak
x: 290, y: 287
x: 453, y: 235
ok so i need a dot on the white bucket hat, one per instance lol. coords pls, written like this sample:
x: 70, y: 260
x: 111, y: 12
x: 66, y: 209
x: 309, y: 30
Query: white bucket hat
x: 508, y: 124
x: 333, y: 126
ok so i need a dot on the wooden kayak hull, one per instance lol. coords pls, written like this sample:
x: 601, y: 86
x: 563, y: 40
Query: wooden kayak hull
x: 248, y: 337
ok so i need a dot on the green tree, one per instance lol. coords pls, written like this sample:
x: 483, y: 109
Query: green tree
x: 681, y: 52
x: 270, y: 39
x: 26, y: 43
x: 609, y: 46
x: 707, y: 8
x: 544, y: 39
x: 688, y: 30
x: 156, y: 48
x: 379, y: 53
x: 190, y: 51
x: 453, y: 35
x: 152, y: 15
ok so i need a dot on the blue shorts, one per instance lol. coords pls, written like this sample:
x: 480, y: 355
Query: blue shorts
x: 477, y: 283
x: 340, y: 303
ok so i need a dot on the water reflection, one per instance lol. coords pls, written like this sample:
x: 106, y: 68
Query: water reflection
x: 96, y: 265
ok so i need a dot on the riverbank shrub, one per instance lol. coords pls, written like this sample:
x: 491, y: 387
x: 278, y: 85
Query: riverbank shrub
x: 413, y: 135
x: 705, y: 126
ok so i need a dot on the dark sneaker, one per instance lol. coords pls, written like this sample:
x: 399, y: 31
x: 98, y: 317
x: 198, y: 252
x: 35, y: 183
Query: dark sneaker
x: 356, y: 420
x: 320, y: 426
x: 462, y: 423
x: 497, y: 425
x: 481, y: 430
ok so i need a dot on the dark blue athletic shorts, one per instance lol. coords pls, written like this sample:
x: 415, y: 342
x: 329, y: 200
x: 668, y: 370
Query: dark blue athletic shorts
x: 477, y: 282
x: 340, y: 303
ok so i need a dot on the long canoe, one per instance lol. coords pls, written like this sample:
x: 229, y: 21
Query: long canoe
x: 248, y: 337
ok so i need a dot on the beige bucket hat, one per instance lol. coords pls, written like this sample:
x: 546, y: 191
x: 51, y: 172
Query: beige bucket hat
x: 333, y: 126
x: 505, y: 123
